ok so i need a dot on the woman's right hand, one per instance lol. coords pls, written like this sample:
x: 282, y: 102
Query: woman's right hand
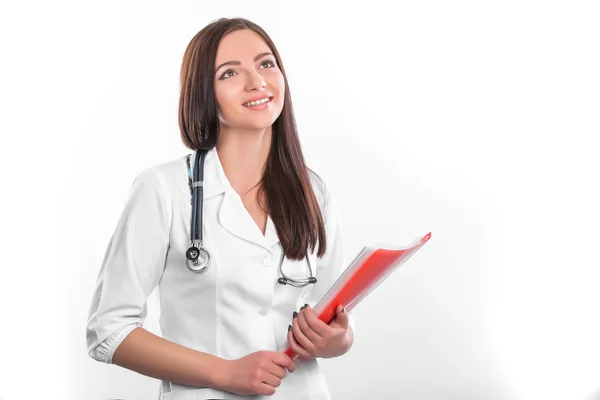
x: 257, y: 373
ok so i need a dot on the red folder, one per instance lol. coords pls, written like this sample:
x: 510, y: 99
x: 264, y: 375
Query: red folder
x: 365, y: 273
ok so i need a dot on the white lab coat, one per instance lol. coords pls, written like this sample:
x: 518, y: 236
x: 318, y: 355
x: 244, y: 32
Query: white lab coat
x: 233, y: 308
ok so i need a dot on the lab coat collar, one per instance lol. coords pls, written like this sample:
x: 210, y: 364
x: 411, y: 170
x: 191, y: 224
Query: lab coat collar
x: 233, y: 215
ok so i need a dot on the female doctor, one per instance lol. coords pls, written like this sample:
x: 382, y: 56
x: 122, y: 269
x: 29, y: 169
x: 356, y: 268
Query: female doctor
x: 240, y: 237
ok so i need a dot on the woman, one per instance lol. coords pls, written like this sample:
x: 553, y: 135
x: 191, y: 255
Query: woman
x: 222, y: 326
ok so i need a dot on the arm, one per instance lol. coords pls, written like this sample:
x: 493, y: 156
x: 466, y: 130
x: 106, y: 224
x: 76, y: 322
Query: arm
x: 132, y: 268
x: 153, y: 356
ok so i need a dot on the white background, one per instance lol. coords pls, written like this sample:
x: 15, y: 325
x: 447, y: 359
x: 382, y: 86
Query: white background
x: 477, y: 121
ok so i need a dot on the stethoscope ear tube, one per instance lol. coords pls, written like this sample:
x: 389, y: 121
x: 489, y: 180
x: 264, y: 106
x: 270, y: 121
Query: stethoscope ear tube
x: 285, y: 280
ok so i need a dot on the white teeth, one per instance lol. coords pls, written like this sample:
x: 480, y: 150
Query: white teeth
x: 254, y: 103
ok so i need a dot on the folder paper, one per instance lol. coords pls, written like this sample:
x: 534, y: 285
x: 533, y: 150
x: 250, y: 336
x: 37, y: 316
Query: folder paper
x: 370, y: 267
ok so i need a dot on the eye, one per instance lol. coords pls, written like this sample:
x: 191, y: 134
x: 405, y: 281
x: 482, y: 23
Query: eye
x: 225, y: 76
x: 271, y: 62
x: 268, y: 62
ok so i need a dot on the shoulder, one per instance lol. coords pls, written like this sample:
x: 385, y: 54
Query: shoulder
x: 170, y: 169
x: 162, y: 175
x: 158, y: 183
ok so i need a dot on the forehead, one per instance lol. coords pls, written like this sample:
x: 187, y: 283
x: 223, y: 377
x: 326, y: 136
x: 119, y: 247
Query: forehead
x: 242, y: 45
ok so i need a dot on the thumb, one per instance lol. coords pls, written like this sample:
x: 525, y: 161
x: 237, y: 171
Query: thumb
x: 341, y: 317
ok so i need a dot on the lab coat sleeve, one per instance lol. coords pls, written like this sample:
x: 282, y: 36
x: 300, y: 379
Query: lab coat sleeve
x: 132, y: 267
x: 333, y: 262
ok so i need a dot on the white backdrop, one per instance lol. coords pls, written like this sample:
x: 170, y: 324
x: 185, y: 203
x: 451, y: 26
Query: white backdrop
x: 477, y: 121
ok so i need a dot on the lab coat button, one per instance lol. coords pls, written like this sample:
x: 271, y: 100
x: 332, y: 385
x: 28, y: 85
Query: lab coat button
x: 266, y: 262
x: 263, y: 312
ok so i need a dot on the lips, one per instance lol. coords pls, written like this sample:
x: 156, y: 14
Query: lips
x: 257, y: 98
x: 259, y: 105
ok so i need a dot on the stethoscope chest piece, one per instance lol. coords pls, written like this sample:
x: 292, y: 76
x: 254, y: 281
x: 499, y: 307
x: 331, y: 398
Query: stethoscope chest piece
x: 197, y: 259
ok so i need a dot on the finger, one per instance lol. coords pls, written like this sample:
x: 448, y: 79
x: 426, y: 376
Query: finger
x: 277, y: 371
x: 307, y: 329
x: 297, y: 348
x: 301, y: 338
x: 266, y: 389
x: 285, y: 361
x: 341, y: 317
x: 312, y: 319
x: 270, y: 379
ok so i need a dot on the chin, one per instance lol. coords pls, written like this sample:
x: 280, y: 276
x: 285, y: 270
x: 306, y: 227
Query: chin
x: 259, y: 122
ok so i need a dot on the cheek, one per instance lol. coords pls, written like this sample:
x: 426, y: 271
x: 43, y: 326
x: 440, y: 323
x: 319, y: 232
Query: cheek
x: 223, y: 99
x: 280, y: 85
x: 227, y: 95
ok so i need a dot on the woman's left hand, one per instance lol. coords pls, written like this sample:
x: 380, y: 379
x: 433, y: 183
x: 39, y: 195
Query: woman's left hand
x: 309, y: 337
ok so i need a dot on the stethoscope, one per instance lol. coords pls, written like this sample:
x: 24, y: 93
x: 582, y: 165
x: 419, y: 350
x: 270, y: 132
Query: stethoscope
x: 197, y: 256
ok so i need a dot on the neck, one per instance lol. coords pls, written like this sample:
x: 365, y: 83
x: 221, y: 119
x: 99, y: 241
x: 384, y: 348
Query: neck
x: 243, y: 155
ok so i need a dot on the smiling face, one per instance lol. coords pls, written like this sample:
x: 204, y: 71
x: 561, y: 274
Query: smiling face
x: 250, y: 72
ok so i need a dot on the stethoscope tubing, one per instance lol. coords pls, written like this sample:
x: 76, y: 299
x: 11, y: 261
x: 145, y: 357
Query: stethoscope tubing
x: 197, y: 191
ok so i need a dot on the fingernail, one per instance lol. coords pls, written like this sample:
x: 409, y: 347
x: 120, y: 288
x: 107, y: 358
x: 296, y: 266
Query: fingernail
x: 343, y: 310
x: 289, y: 328
x: 295, y: 314
x: 303, y: 307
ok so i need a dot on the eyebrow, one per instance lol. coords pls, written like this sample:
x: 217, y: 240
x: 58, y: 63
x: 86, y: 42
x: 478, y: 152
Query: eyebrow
x: 239, y: 63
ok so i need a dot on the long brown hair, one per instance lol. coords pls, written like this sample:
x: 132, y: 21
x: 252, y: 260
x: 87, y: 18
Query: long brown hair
x: 286, y: 185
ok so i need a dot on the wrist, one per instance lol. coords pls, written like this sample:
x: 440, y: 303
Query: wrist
x: 220, y: 374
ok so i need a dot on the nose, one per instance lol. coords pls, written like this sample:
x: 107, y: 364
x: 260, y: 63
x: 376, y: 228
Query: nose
x: 255, y: 81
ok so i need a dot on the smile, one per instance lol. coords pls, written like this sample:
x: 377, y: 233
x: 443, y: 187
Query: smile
x: 258, y: 102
